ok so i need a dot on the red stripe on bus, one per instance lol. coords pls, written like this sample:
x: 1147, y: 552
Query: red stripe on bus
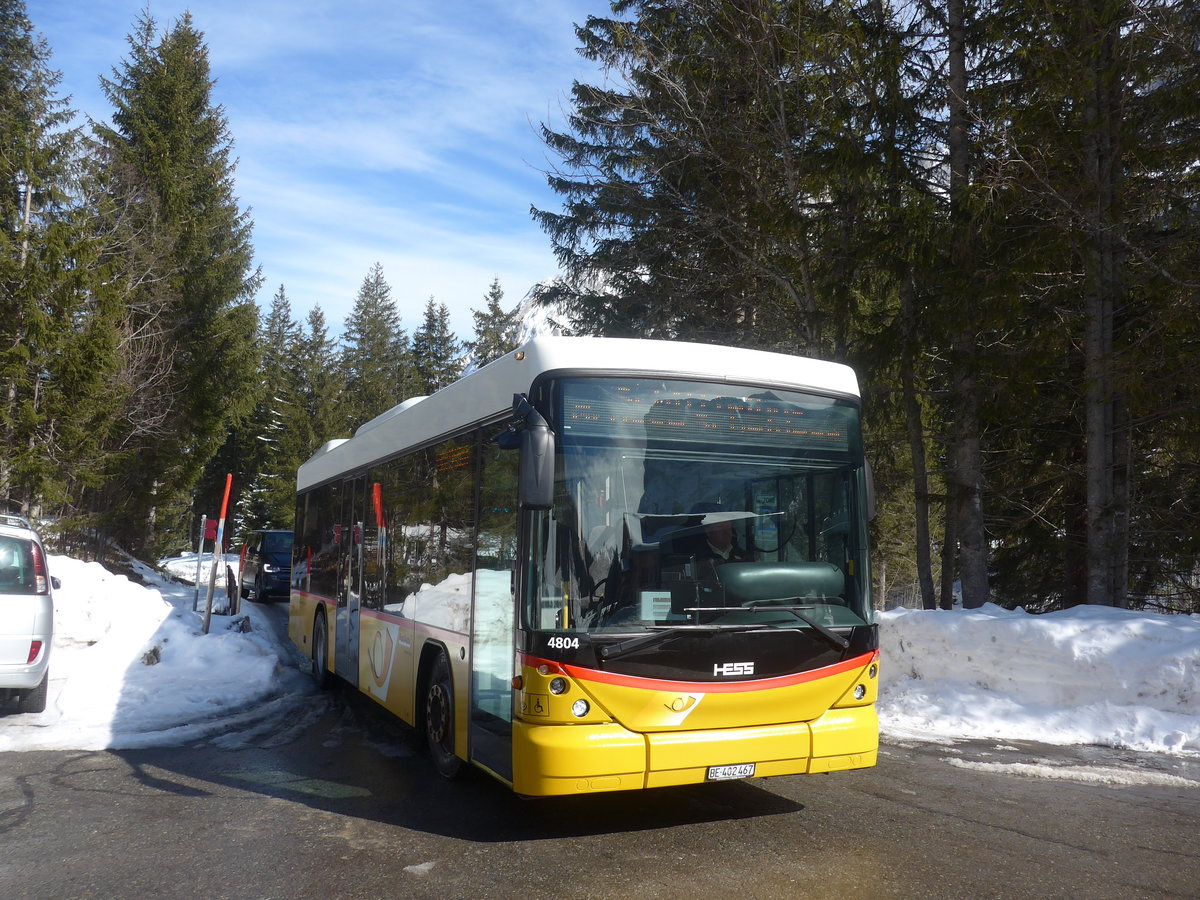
x: 305, y: 595
x: 706, y: 687
x: 380, y: 615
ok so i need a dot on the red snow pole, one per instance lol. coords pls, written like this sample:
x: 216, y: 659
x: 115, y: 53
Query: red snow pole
x: 212, y: 581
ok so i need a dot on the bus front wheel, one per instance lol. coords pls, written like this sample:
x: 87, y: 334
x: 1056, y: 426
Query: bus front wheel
x: 439, y: 719
x: 320, y: 652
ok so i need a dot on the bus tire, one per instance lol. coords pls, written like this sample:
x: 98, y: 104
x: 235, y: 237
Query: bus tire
x: 320, y: 652
x: 439, y: 718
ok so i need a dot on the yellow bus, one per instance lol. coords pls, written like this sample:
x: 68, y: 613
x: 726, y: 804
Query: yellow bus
x: 599, y: 564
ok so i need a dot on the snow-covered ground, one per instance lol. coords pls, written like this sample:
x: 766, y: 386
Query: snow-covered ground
x: 131, y: 668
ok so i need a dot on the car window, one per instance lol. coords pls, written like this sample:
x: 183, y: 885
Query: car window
x: 278, y: 542
x: 16, y: 566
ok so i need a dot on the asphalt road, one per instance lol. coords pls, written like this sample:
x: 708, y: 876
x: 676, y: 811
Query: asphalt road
x: 346, y: 805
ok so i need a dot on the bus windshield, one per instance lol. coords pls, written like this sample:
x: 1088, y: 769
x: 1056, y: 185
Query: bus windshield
x: 692, y: 505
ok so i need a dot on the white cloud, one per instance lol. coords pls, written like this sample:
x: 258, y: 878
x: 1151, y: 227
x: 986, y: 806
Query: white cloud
x: 322, y: 239
x: 404, y: 133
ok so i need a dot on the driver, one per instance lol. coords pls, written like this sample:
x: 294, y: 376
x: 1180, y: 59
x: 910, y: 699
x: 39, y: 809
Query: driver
x: 720, y: 543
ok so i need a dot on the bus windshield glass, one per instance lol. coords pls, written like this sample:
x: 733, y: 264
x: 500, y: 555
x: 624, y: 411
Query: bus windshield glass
x: 692, y: 505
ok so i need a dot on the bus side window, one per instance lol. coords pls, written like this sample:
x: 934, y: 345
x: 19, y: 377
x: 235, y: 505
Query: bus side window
x: 497, y: 546
x: 325, y: 507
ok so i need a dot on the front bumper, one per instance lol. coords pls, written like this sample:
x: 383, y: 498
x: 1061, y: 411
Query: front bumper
x: 572, y: 759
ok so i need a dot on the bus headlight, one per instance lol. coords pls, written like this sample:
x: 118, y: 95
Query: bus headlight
x: 860, y: 691
x: 580, y: 708
x: 558, y: 685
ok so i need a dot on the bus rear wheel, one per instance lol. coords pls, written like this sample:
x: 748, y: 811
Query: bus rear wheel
x: 439, y: 719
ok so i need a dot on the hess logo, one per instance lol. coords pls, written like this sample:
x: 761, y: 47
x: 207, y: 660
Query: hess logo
x: 733, y: 668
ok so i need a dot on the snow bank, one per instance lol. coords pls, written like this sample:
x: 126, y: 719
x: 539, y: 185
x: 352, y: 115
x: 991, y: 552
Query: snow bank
x: 1088, y: 675
x: 131, y: 667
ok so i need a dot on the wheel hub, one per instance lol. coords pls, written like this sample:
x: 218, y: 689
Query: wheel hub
x: 435, y: 713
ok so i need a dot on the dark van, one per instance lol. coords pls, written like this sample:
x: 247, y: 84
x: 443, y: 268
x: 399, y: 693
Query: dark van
x: 267, y: 566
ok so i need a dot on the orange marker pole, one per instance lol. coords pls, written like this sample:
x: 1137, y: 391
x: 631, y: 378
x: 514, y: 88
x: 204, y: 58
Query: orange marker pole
x: 220, y: 545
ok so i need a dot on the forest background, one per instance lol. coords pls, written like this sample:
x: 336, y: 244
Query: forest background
x: 989, y: 208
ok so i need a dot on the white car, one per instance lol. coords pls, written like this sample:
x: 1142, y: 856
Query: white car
x: 26, y: 616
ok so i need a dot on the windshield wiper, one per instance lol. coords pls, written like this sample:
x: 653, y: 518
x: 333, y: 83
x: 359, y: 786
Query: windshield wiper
x: 832, y: 636
x: 620, y: 648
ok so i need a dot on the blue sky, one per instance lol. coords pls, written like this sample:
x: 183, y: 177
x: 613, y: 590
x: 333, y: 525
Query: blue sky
x: 401, y: 132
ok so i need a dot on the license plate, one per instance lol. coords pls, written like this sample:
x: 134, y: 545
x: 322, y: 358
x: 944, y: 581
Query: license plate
x: 730, y: 773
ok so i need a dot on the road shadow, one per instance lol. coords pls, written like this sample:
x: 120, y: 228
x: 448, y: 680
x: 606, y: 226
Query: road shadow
x: 357, y: 760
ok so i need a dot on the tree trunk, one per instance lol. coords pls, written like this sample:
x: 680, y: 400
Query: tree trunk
x: 1074, y: 591
x: 25, y: 216
x: 966, y: 460
x: 949, y: 548
x: 967, y: 475
x: 1099, y: 451
x: 1119, y: 567
x: 916, y: 442
x: 1107, y: 491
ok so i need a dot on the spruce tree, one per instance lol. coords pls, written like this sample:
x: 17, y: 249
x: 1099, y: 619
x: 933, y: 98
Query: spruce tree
x: 169, y: 151
x: 436, y: 351
x: 320, y: 383
x: 282, y: 382
x: 58, y: 326
x: 496, y: 330
x: 715, y: 187
x: 375, y: 353
x: 262, y: 452
x: 1103, y: 190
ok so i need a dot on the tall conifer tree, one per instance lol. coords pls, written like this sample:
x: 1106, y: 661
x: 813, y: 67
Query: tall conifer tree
x: 56, y: 342
x: 26, y: 118
x: 261, y: 451
x: 497, y: 330
x: 715, y: 187
x: 375, y: 353
x: 170, y: 146
x: 320, y: 382
x: 436, y: 351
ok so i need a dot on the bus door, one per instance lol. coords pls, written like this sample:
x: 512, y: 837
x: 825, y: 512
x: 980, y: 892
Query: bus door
x: 349, y: 591
x: 492, y: 623
x: 491, y: 680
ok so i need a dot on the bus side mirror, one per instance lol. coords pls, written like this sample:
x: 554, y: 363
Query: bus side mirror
x: 530, y: 433
x: 536, y: 486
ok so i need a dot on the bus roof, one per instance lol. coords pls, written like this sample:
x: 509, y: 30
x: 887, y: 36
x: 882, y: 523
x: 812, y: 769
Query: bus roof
x: 488, y: 392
